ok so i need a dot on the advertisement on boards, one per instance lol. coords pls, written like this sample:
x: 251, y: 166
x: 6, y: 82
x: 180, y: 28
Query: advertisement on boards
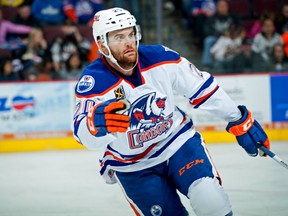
x: 35, y: 107
x: 279, y: 98
x: 45, y: 109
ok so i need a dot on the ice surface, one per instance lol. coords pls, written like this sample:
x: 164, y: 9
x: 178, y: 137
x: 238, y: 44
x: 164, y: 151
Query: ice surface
x: 67, y: 183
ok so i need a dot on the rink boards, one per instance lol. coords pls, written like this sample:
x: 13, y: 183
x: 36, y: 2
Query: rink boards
x: 38, y: 115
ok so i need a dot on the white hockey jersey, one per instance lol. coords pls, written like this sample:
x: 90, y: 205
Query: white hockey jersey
x: 158, y: 128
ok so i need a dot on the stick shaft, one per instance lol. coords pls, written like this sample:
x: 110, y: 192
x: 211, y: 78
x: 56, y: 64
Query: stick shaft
x: 273, y: 156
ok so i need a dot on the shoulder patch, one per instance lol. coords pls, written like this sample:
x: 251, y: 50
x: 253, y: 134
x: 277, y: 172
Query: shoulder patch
x: 85, y: 84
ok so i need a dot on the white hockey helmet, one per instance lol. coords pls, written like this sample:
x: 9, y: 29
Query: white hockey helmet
x: 113, y: 19
x: 109, y: 20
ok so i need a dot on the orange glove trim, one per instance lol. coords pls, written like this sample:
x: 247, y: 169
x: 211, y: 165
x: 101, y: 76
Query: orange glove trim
x: 242, y: 128
x: 267, y: 144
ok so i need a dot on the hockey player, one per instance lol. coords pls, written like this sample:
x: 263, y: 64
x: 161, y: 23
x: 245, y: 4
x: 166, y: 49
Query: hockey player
x: 126, y: 111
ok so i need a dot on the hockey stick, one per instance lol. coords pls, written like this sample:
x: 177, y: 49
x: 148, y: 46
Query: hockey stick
x: 273, y: 156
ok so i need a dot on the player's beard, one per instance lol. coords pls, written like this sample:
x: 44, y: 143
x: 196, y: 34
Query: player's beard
x: 127, y: 58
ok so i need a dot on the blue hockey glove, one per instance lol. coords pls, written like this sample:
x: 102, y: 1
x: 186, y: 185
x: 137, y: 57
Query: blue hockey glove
x: 107, y: 117
x: 248, y: 132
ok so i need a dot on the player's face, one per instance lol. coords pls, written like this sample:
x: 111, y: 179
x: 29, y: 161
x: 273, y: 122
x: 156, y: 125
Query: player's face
x: 122, y: 44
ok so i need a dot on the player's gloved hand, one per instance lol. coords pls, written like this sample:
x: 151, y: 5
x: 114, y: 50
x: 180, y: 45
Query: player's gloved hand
x: 249, y: 133
x: 107, y: 117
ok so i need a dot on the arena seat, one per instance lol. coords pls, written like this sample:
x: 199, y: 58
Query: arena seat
x: 4, y: 53
x: 51, y: 32
x: 260, y: 6
x: 86, y: 31
x: 241, y: 8
x: 9, y: 12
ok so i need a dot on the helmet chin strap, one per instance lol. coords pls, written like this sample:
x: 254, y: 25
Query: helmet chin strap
x: 104, y: 41
x: 114, y: 61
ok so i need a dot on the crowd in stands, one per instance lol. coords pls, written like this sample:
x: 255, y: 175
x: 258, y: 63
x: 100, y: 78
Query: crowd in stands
x: 46, y: 39
x: 51, y: 39
x: 239, y: 36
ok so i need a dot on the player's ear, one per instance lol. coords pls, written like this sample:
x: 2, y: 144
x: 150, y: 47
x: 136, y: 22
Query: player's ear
x: 102, y: 47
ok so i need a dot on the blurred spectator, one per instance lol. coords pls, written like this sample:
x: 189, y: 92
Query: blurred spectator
x: 24, y: 17
x: 11, y: 3
x: 43, y: 71
x: 48, y: 12
x: 246, y: 61
x: 281, y: 21
x: 264, y: 42
x: 257, y: 24
x: 37, y: 45
x: 36, y: 48
x: 7, y: 27
x: 72, y: 42
x: 226, y: 48
x: 214, y: 27
x: 200, y: 11
x: 278, y: 61
x: 73, y: 68
x: 19, y: 67
x: 254, y: 29
x: 206, y: 7
x: 82, y: 11
x: 6, y: 71
x: 243, y: 61
x: 182, y: 7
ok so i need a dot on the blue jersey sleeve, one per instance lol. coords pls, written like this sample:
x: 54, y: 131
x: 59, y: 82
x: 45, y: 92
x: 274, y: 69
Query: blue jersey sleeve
x: 156, y: 54
x: 95, y: 80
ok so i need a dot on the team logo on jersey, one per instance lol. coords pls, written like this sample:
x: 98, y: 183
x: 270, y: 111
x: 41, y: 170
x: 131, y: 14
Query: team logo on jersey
x: 119, y: 93
x: 148, y: 119
x: 85, y: 84
x: 156, y: 210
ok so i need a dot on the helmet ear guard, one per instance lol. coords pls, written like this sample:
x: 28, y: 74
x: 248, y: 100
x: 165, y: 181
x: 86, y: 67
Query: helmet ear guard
x: 138, y: 32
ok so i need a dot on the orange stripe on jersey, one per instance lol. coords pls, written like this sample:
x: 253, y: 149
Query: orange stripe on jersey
x: 136, y: 158
x: 90, y: 120
x: 161, y: 63
x: 217, y: 173
x: 199, y: 100
x: 134, y: 209
x: 133, y: 206
x: 184, y: 119
x: 102, y: 93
